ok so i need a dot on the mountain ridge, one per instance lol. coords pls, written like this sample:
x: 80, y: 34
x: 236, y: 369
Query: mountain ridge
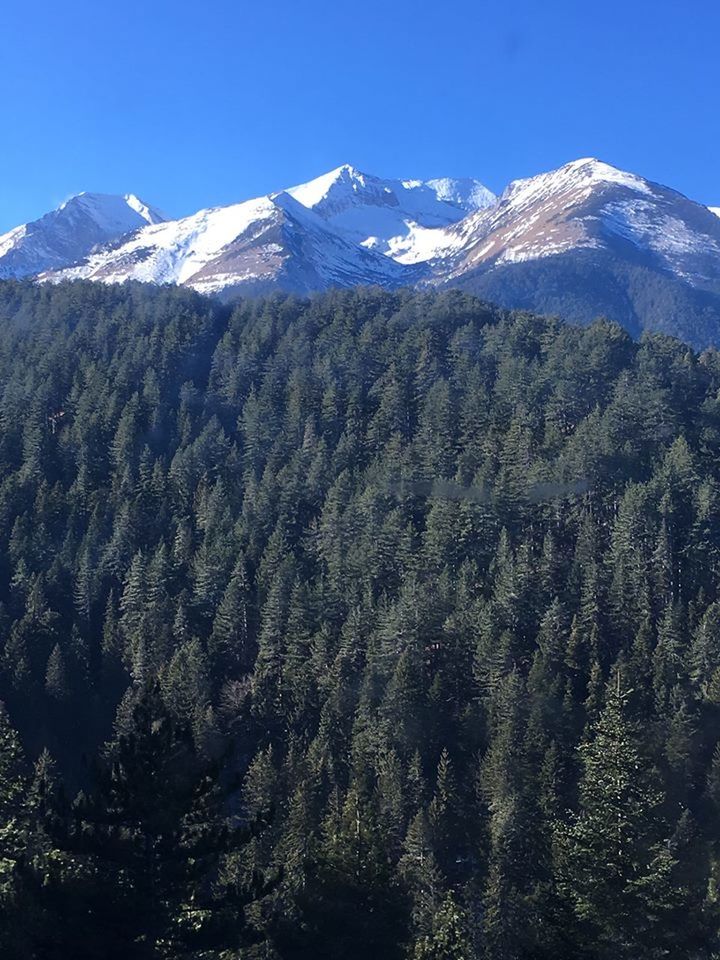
x: 637, y: 249
x: 70, y: 232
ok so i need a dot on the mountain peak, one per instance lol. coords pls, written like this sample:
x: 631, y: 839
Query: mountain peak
x: 598, y: 170
x: 347, y: 227
x: 398, y: 218
x: 349, y: 171
x: 109, y: 209
x: 68, y: 234
x: 588, y: 163
x: 313, y: 192
x: 581, y: 176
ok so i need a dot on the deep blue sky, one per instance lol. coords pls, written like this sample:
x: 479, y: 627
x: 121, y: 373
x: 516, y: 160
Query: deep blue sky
x: 196, y: 104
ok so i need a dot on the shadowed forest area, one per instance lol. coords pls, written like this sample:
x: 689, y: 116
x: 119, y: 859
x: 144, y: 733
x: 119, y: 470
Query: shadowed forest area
x: 375, y: 625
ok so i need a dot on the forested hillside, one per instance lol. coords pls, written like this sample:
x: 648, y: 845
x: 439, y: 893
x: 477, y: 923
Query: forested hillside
x: 376, y: 626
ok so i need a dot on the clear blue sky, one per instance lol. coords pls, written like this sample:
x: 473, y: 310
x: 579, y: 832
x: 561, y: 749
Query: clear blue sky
x: 196, y: 104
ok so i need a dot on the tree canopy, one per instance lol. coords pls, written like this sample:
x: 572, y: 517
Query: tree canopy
x: 375, y: 624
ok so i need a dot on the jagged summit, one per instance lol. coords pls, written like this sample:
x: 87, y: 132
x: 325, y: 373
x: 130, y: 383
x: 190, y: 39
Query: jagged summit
x: 344, y: 177
x: 347, y: 185
x: 390, y: 216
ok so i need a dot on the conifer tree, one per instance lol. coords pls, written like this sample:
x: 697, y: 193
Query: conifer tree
x: 615, y: 865
x: 449, y: 939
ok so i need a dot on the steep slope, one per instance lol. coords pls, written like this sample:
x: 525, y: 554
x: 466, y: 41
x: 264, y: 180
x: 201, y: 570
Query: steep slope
x: 68, y: 234
x: 399, y: 218
x: 590, y: 239
x: 269, y: 243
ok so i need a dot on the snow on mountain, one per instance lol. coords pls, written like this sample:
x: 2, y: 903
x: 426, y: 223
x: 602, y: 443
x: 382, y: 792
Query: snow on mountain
x: 69, y: 233
x: 258, y: 244
x: 581, y: 240
x: 172, y: 252
x: 586, y: 205
x: 715, y: 210
x: 344, y: 227
x: 399, y: 218
x: 531, y: 218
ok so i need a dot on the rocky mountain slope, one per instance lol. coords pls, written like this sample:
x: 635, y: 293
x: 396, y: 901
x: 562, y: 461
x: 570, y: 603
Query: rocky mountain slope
x: 582, y: 240
x: 343, y: 229
x: 66, y: 235
x: 589, y: 239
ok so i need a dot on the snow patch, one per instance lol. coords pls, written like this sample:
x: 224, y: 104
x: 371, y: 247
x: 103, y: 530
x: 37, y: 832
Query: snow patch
x: 68, y: 234
x: 403, y: 219
x: 175, y: 251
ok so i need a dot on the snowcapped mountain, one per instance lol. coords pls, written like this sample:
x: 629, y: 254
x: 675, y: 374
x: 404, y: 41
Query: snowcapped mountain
x: 269, y: 243
x: 342, y: 229
x: 589, y: 239
x: 589, y: 205
x: 68, y: 234
x: 583, y: 240
x: 395, y: 217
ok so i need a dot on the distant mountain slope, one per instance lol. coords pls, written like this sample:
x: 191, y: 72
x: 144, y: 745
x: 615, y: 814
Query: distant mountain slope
x: 342, y: 229
x: 396, y: 217
x: 252, y: 247
x: 589, y: 205
x: 584, y: 240
x: 587, y: 240
x: 66, y: 235
x: 582, y: 285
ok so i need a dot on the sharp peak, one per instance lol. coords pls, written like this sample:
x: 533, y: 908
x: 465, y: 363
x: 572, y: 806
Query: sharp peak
x: 347, y: 173
x: 99, y: 195
x: 81, y: 195
x: 350, y: 169
x: 355, y: 173
x: 589, y: 161
x: 602, y: 167
x: 97, y: 204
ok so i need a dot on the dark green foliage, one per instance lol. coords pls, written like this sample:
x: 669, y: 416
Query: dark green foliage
x: 375, y: 625
x: 582, y: 284
x: 614, y: 859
